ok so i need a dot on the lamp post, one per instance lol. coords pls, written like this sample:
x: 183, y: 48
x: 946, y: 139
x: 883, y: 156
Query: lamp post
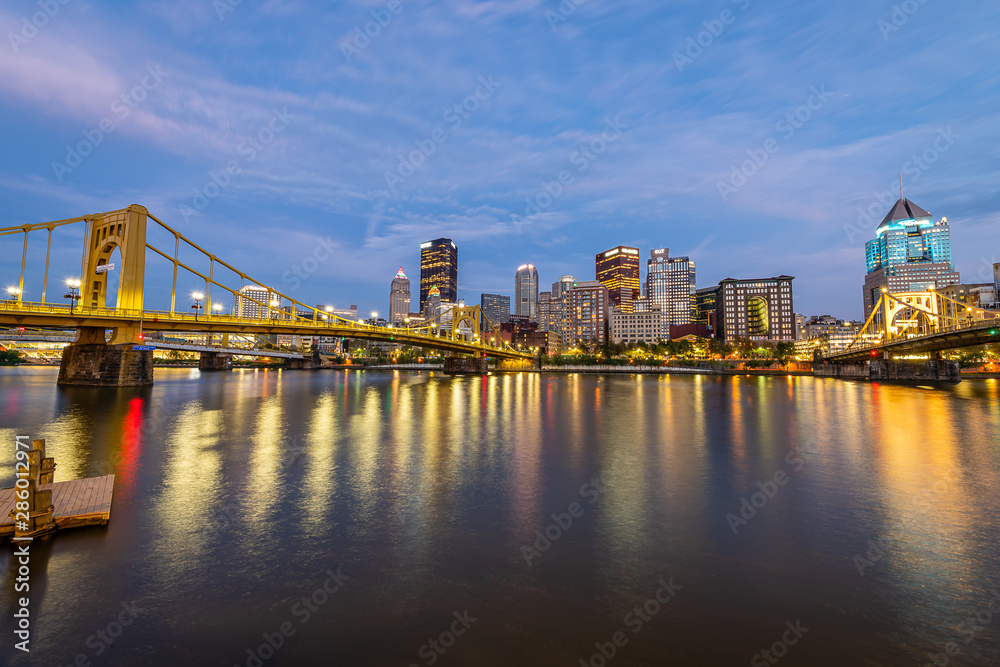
x: 217, y: 308
x: 197, y: 296
x: 14, y: 292
x: 74, y: 293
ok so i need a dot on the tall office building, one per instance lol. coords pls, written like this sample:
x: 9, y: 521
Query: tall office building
x: 996, y: 281
x: 758, y: 309
x: 399, y: 298
x: 670, y: 284
x: 439, y: 268
x: 432, y: 307
x: 618, y: 271
x: 589, y: 307
x: 496, y: 307
x: 910, y: 253
x: 526, y: 292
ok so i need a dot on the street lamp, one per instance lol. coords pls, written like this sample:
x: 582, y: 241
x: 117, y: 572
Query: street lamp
x: 74, y: 293
x: 217, y: 308
x: 197, y: 296
x: 13, y: 292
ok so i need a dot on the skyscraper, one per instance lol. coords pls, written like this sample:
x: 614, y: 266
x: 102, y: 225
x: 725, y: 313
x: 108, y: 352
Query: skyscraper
x: 563, y: 285
x: 526, y: 292
x: 670, y: 284
x: 589, y: 309
x: 432, y: 307
x: 496, y: 308
x: 399, y: 298
x: 618, y: 271
x: 439, y: 268
x: 910, y: 253
x: 553, y: 316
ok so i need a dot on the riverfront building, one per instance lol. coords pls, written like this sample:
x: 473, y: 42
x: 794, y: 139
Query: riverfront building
x: 670, y: 284
x: 553, y: 310
x: 638, y: 327
x: 618, y: 271
x: 526, y: 292
x: 438, y: 268
x: 399, y: 298
x: 588, y: 303
x: 910, y: 253
x: 758, y: 309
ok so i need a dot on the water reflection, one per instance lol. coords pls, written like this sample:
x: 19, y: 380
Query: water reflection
x: 236, y: 490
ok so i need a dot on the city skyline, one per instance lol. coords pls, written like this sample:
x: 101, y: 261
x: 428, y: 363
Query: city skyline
x: 311, y: 140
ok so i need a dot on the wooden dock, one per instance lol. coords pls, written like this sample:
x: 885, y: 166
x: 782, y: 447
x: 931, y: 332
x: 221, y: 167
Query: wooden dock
x: 79, y: 502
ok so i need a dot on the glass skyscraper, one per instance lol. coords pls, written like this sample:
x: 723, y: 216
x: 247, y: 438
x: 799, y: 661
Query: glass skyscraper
x: 439, y: 268
x: 910, y: 253
x: 526, y: 292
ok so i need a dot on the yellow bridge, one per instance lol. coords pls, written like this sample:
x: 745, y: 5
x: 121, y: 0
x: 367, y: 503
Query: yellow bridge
x: 906, y: 324
x: 125, y: 231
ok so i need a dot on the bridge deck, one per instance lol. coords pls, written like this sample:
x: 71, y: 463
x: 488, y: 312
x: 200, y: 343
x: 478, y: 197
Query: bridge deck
x: 79, y: 502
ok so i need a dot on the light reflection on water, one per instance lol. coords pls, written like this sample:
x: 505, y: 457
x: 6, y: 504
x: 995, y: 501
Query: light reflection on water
x: 237, y: 491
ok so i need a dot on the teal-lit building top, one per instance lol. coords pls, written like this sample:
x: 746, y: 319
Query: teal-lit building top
x: 908, y: 235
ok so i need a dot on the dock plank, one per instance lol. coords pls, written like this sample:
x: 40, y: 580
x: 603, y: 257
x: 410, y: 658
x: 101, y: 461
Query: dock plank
x: 78, y: 502
x: 86, y: 493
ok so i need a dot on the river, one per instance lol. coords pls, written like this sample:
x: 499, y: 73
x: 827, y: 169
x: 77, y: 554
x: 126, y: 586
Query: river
x: 408, y: 518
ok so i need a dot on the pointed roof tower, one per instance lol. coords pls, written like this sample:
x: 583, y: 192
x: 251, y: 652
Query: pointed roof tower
x: 400, y: 274
x: 904, y: 209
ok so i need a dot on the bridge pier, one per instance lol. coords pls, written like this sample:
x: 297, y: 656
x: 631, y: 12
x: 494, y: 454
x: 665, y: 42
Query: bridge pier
x: 215, y: 361
x: 299, y: 364
x: 91, y: 362
x: 900, y: 370
x: 465, y: 365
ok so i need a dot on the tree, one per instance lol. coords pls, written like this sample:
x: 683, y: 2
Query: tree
x: 10, y: 357
x: 783, y: 350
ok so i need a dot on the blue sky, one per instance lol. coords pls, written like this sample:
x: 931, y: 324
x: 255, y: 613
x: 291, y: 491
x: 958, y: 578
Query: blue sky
x: 642, y: 108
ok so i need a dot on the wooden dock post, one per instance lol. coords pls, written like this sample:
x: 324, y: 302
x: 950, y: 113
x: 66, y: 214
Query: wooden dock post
x: 81, y: 502
x: 39, y: 502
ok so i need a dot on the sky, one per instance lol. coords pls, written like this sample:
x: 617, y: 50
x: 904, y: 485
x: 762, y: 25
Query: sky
x: 315, y: 145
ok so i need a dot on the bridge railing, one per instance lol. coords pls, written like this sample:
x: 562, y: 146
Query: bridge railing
x: 219, y: 318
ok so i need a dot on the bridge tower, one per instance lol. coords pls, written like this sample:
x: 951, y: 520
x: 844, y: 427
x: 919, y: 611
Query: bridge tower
x: 89, y: 360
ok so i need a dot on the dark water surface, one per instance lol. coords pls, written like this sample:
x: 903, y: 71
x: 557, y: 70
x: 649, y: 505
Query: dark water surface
x: 239, y: 494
